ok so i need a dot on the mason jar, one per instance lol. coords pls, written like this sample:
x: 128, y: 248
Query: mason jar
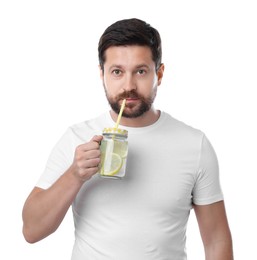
x: 114, y: 152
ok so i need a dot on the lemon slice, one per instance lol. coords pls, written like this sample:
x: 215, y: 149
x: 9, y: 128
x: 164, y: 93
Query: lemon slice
x: 112, y: 165
x: 121, y: 148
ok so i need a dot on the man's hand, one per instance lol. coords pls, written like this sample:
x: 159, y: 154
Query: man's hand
x: 45, y: 209
x: 87, y: 158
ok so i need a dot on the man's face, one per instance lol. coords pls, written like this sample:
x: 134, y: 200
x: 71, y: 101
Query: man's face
x: 129, y: 72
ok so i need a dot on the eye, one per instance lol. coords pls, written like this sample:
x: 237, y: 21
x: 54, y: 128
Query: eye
x: 116, y: 72
x: 141, y: 72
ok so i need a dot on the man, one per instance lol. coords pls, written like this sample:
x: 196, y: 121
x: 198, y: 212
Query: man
x: 171, y: 168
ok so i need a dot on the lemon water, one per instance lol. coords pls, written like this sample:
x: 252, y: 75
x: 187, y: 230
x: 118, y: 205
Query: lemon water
x: 114, y: 151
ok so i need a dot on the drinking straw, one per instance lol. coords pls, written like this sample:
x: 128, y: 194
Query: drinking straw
x: 120, y: 113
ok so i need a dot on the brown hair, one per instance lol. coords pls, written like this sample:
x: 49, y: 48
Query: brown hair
x: 131, y: 32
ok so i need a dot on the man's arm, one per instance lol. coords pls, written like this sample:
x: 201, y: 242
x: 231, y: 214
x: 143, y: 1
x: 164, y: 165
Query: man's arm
x: 44, y: 210
x: 215, y: 232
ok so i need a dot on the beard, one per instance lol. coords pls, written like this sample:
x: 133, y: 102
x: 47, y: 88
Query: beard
x: 131, y: 110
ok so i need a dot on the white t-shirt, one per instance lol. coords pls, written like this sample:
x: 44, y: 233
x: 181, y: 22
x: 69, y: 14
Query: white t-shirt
x: 170, y: 166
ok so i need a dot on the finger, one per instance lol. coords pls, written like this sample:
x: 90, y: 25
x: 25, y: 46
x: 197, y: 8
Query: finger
x: 92, y: 154
x: 93, y: 144
x: 97, y: 138
x: 89, y: 167
x: 92, y: 163
x: 88, y: 164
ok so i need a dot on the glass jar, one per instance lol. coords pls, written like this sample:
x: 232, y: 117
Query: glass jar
x: 114, y: 152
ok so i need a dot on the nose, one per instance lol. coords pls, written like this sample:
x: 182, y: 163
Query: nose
x: 129, y: 83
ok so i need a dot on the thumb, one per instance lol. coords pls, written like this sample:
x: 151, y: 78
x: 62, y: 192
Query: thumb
x: 97, y: 138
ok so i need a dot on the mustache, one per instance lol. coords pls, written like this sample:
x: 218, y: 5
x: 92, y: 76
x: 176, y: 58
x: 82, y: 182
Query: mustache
x: 129, y: 94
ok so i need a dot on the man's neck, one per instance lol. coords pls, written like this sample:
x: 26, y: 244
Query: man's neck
x: 148, y: 118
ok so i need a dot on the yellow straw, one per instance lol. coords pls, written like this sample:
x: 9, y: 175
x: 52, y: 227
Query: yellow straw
x: 120, y: 113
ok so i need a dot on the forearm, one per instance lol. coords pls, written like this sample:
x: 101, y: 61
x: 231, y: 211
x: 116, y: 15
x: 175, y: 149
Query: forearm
x: 215, y: 231
x: 221, y: 250
x: 44, y: 210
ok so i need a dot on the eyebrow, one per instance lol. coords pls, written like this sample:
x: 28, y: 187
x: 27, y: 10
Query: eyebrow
x: 115, y: 66
x: 137, y: 67
x: 142, y: 66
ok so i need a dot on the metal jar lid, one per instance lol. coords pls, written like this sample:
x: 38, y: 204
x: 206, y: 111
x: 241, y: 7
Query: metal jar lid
x: 115, y: 131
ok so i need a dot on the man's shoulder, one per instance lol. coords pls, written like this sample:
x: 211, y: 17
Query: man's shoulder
x: 183, y: 136
x: 87, y: 128
x: 180, y: 126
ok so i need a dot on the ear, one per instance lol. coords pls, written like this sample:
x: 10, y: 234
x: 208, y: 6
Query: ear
x: 160, y: 74
x: 101, y: 72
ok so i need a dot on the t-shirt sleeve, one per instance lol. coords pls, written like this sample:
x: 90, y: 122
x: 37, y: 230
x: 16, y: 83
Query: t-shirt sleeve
x: 58, y: 162
x: 207, y: 189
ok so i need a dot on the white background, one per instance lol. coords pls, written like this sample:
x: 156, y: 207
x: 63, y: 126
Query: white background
x: 49, y: 80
